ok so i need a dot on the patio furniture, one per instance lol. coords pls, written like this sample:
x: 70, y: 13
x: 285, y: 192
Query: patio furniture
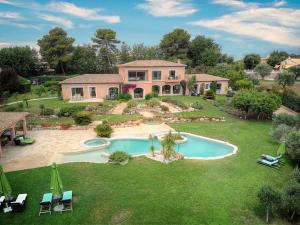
x: 21, y: 140
x: 19, y: 204
x: 273, y: 164
x: 67, y: 201
x: 271, y: 158
x: 46, y: 203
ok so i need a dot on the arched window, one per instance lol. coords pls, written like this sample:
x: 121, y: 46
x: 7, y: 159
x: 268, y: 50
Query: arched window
x: 138, y: 93
x: 166, y: 89
x: 155, y: 89
x: 177, y: 89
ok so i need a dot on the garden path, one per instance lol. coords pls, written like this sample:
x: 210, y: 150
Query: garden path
x: 118, y: 110
x: 284, y: 109
x: 172, y: 109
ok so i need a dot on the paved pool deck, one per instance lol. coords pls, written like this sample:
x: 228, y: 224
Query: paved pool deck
x: 50, y: 144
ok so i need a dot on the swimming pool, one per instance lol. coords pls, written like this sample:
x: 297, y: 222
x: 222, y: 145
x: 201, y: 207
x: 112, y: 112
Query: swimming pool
x: 196, y: 147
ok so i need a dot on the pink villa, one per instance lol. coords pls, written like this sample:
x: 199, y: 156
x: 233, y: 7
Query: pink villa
x: 138, y: 78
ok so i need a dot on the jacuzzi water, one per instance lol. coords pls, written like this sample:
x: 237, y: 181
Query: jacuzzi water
x: 96, y: 142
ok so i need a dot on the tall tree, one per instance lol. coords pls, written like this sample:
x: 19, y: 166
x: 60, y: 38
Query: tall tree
x: 124, y: 53
x: 9, y: 81
x: 174, y: 45
x: 84, y: 60
x: 191, y: 83
x: 105, y: 41
x: 263, y: 70
x: 285, y: 78
x: 21, y: 59
x: 56, y: 48
x: 295, y: 70
x: 251, y: 61
x: 276, y: 57
x: 205, y: 52
x: 269, y: 198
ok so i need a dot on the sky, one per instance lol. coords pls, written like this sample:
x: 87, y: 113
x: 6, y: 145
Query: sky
x: 239, y: 26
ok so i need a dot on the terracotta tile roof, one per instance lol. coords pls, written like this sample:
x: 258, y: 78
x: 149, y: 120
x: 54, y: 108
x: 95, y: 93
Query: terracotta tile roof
x: 94, y: 79
x: 207, y: 78
x: 8, y: 119
x: 151, y: 63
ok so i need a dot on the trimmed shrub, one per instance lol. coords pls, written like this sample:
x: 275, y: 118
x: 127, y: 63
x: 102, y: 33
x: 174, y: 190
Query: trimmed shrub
x: 151, y: 95
x: 280, y: 133
x: 119, y: 157
x: 284, y: 118
x: 209, y: 95
x: 164, y: 108
x: 82, y: 118
x: 125, y: 96
x: 51, y: 83
x: 291, y: 100
x: 153, y: 102
x: 70, y: 110
x: 132, y: 103
x: 197, y: 105
x: 104, y: 130
x: 244, y: 84
x: 48, y: 112
x: 293, y: 146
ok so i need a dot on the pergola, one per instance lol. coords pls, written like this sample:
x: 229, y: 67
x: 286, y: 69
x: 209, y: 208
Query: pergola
x: 9, y: 120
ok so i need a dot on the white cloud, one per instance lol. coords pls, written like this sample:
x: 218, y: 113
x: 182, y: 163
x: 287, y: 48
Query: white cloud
x: 281, y: 26
x: 279, y: 3
x: 84, y: 13
x: 32, y: 45
x: 168, y: 8
x: 20, y: 25
x: 57, y: 20
x: 11, y: 15
x: 236, y: 3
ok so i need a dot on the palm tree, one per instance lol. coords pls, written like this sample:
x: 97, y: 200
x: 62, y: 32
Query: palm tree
x: 168, y: 144
x: 105, y: 40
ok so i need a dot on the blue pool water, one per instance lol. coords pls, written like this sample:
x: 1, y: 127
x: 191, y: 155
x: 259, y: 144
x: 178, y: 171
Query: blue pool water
x: 194, y: 147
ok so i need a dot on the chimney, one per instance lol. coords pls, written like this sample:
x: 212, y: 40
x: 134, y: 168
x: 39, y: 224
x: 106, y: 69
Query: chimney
x: 178, y: 60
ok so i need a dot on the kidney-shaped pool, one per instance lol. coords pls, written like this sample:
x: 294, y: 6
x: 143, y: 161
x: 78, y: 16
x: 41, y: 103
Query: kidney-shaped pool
x: 196, y: 147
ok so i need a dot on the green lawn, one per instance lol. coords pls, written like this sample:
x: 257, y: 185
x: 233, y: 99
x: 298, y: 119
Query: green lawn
x: 147, y: 192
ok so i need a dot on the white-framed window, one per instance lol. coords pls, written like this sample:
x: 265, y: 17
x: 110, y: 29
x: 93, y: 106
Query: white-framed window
x: 92, y: 91
x: 156, y: 75
x: 207, y: 86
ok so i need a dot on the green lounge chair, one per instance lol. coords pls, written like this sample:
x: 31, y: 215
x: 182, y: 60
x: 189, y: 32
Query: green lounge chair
x: 273, y: 164
x: 23, y: 141
x: 67, y: 201
x: 46, y: 203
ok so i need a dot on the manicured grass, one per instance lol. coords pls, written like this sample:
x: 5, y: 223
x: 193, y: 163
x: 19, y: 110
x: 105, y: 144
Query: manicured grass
x: 208, y: 108
x: 147, y: 192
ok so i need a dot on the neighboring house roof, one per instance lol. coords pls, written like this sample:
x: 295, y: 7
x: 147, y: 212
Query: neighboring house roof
x: 207, y: 78
x: 9, y: 119
x: 94, y: 79
x: 151, y: 63
x: 290, y: 62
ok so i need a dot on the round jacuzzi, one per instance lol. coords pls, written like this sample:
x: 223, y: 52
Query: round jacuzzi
x: 96, y: 143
